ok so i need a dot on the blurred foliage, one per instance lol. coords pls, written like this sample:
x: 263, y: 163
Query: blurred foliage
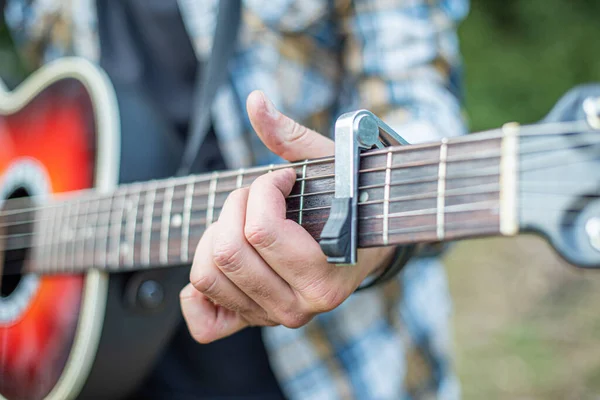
x: 522, y: 55
x: 11, y: 69
x: 527, y: 324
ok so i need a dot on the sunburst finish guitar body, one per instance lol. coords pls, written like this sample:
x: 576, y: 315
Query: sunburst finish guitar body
x: 59, y: 132
x: 69, y: 323
x: 51, y: 141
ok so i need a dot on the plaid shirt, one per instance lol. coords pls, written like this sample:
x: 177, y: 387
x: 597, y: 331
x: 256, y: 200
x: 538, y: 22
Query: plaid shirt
x: 317, y: 59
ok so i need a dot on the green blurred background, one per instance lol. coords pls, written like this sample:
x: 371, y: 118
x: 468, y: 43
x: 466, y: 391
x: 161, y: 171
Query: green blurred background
x: 521, y: 55
x: 527, y: 326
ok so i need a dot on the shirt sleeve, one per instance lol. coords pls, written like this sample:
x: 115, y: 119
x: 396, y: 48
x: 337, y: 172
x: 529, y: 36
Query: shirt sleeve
x: 44, y: 30
x: 403, y: 63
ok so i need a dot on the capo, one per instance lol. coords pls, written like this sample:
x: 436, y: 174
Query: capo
x: 354, y: 132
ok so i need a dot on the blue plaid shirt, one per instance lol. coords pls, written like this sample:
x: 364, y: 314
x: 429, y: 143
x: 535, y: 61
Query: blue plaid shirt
x: 317, y: 59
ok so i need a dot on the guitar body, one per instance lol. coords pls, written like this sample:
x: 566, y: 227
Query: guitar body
x: 59, y: 132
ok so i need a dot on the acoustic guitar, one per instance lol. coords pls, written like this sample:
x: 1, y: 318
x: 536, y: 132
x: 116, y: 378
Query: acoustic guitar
x: 68, y: 234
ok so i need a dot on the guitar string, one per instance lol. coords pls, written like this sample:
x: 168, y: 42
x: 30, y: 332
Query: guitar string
x: 466, y: 190
x: 459, y: 191
x: 174, y: 251
x: 201, y: 222
x: 553, y: 129
x: 485, y: 205
x: 195, y: 210
x: 420, y: 229
x: 157, y: 219
x: 177, y: 195
x: 173, y: 257
x: 108, y: 213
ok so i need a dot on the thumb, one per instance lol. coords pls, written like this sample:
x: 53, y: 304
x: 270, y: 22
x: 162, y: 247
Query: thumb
x: 282, y: 135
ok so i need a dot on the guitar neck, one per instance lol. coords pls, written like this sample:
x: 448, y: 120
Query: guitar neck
x: 420, y: 193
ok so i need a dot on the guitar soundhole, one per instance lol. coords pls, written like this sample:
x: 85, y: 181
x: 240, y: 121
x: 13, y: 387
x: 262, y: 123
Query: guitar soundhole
x: 16, y: 221
x: 9, y: 284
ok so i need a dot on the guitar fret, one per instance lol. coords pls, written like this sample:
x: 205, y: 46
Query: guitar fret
x: 211, y: 199
x: 46, y: 240
x: 386, y: 198
x: 116, y: 224
x: 55, y: 238
x: 39, y: 236
x: 131, y: 223
x: 147, y: 224
x: 185, y: 225
x: 441, y: 190
x: 417, y: 200
x: 46, y: 237
x: 61, y: 247
x: 79, y: 240
x: 165, y: 224
x: 302, y: 188
x: 90, y: 233
x: 508, y: 179
x: 240, y: 179
x: 63, y: 237
x: 104, y: 228
x: 71, y: 227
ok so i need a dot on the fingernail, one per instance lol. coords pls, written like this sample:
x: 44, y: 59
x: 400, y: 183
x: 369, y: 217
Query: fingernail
x: 271, y: 110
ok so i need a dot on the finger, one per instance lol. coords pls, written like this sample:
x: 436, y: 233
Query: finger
x: 282, y: 135
x: 208, y: 279
x: 282, y: 243
x: 206, y: 321
x: 234, y: 256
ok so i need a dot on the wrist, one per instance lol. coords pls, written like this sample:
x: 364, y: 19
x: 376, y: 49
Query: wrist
x: 387, y: 269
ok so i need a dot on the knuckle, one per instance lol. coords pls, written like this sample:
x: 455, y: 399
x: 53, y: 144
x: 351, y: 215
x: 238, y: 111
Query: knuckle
x: 205, y: 282
x: 235, y: 305
x: 290, y: 315
x: 259, y: 235
x: 324, y: 297
x: 237, y: 196
x: 262, y: 182
x: 295, y: 320
x: 329, y: 300
x: 227, y: 256
x: 259, y: 318
x: 297, y: 133
x: 260, y: 290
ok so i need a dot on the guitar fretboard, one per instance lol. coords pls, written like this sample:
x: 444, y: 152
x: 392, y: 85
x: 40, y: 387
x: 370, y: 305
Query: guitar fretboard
x: 422, y: 193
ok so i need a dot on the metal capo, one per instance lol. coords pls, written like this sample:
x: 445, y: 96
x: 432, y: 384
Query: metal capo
x: 354, y: 132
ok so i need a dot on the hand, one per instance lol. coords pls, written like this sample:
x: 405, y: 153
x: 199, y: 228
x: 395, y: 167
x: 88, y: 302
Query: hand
x: 255, y: 267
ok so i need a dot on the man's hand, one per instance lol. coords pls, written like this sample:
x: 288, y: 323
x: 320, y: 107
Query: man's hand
x: 255, y: 267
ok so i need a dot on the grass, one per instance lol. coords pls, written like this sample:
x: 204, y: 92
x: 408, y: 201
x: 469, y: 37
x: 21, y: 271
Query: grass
x: 526, y: 323
x: 527, y: 326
